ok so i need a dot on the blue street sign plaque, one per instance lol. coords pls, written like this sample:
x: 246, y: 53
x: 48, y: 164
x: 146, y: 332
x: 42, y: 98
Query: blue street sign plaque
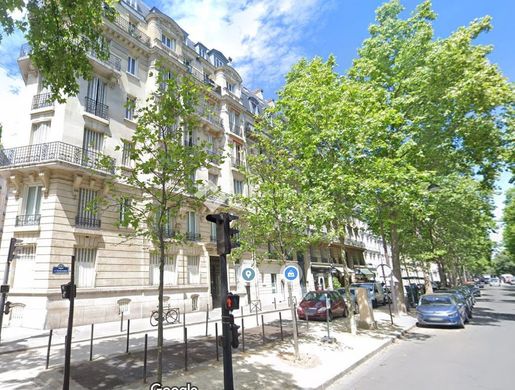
x: 291, y: 273
x: 60, y: 269
x: 248, y: 274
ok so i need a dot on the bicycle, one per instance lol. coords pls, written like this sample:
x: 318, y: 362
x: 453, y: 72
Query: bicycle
x: 170, y: 314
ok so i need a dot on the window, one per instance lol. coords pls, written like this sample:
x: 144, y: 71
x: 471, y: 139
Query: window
x: 193, y: 269
x: 170, y: 270
x: 213, y: 179
x: 32, y: 204
x: 96, y: 90
x: 86, y: 213
x: 24, y: 266
x: 202, y: 51
x: 168, y: 42
x: 231, y: 87
x: 192, y: 226
x: 92, y: 141
x: 130, y: 106
x: 237, y: 156
x: 238, y: 187
x: 39, y: 132
x: 254, y: 107
x: 234, y: 122
x: 189, y: 139
x: 124, y: 207
x: 126, y: 153
x: 131, y: 65
x: 273, y: 278
x: 218, y: 62
x: 85, y: 266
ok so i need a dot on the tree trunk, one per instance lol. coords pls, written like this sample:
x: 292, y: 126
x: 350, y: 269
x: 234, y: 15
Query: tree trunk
x: 160, y: 308
x: 442, y: 273
x: 397, y: 288
x: 346, y: 276
x: 427, y: 278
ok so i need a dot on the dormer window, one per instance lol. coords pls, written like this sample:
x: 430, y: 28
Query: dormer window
x: 218, y: 62
x: 168, y: 42
x: 254, y: 107
x: 202, y: 51
x: 132, y: 3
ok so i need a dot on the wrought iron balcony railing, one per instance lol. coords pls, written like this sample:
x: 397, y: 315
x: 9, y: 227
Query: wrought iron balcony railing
x: 192, y: 236
x: 97, y: 108
x: 132, y: 30
x: 113, y: 61
x: 28, y: 220
x: 42, y: 100
x: 87, y: 222
x: 53, y: 152
x: 355, y: 243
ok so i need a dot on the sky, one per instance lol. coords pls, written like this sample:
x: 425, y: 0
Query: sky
x: 265, y: 37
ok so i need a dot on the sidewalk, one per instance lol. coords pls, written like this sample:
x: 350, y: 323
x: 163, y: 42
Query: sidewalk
x: 270, y: 365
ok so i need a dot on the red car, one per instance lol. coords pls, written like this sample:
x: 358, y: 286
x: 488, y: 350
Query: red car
x: 313, y: 306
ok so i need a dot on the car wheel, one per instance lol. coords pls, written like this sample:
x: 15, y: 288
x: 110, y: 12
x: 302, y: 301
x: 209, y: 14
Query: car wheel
x: 419, y: 325
x: 374, y: 303
x: 470, y: 314
x: 462, y: 324
x: 330, y: 315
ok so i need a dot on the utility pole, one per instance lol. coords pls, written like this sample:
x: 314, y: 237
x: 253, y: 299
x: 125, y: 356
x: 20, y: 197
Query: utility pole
x: 226, y: 240
x: 68, y: 291
x: 5, y: 287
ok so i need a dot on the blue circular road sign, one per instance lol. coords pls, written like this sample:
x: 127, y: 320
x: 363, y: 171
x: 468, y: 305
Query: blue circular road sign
x: 248, y: 274
x: 291, y: 273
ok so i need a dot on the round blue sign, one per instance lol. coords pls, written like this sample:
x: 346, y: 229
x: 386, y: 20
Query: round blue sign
x: 248, y: 274
x: 291, y: 273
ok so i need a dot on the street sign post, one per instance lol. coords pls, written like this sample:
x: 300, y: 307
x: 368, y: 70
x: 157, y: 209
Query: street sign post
x: 248, y: 274
x: 291, y: 273
x: 382, y: 266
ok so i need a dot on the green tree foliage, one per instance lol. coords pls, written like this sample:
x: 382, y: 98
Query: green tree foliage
x: 61, y: 35
x: 161, y: 182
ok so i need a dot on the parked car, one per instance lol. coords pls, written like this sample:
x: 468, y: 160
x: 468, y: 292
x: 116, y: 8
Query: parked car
x: 460, y: 298
x: 474, y: 288
x: 375, y: 292
x: 495, y: 282
x: 353, y: 303
x: 441, y: 309
x: 314, y: 306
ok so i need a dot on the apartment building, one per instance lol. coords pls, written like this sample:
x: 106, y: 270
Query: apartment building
x: 53, y: 171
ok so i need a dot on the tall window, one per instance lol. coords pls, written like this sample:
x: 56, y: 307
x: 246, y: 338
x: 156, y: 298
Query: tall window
x: 85, y: 266
x: 213, y: 179
x: 218, y: 62
x: 24, y: 266
x: 124, y: 207
x: 170, y: 270
x: 96, y: 90
x: 193, y: 269
x: 192, y: 226
x: 86, y: 213
x: 168, y: 42
x: 40, y: 132
x: 237, y: 154
x: 189, y: 135
x: 132, y: 65
x: 130, y: 106
x: 92, y: 141
x: 234, y: 122
x: 32, y: 204
x: 126, y: 153
x: 238, y: 187
x: 231, y: 87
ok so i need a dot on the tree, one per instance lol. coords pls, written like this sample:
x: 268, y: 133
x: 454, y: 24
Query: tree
x: 61, y: 34
x: 446, y: 112
x: 164, y: 158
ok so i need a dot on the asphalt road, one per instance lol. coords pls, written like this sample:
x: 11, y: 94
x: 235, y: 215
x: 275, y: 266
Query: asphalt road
x: 481, y: 356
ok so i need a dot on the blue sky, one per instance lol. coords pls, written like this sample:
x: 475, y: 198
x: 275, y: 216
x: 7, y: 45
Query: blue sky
x: 265, y: 37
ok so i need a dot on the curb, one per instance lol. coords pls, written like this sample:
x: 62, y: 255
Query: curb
x: 371, y: 354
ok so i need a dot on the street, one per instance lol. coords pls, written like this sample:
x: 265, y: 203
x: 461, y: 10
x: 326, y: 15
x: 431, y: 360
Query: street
x: 477, y: 357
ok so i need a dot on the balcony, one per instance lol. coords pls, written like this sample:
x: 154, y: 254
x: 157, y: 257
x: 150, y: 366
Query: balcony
x: 54, y: 152
x: 354, y: 243
x: 235, y: 129
x: 96, y: 108
x: 210, y: 116
x: 87, y: 222
x: 113, y: 62
x: 191, y: 236
x: 132, y: 30
x: 28, y: 220
x: 42, y: 100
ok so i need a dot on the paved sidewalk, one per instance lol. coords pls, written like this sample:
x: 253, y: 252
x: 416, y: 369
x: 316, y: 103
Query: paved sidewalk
x: 270, y: 365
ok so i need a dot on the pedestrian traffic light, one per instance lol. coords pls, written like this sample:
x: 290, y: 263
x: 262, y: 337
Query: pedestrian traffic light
x: 226, y: 237
x: 232, y: 301
x: 8, y: 306
x: 66, y: 290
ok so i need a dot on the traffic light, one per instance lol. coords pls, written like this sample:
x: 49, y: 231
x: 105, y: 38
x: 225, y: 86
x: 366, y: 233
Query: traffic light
x: 8, y: 306
x: 12, y: 248
x: 66, y: 290
x: 226, y: 237
x: 232, y: 301
x: 235, y: 342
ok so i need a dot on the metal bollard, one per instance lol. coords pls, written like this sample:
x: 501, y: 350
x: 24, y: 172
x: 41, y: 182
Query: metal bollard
x: 307, y: 320
x: 275, y: 303
x: 185, y: 349
x: 184, y: 319
x: 295, y: 319
x: 216, y: 342
x: 128, y: 330
x: 121, y: 323
x: 242, y: 335
x: 48, y: 349
x: 263, y: 327
x: 91, y: 343
x: 145, y: 360
x: 281, y: 325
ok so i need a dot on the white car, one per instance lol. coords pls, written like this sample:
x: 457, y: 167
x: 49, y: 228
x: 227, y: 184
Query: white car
x: 495, y: 282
